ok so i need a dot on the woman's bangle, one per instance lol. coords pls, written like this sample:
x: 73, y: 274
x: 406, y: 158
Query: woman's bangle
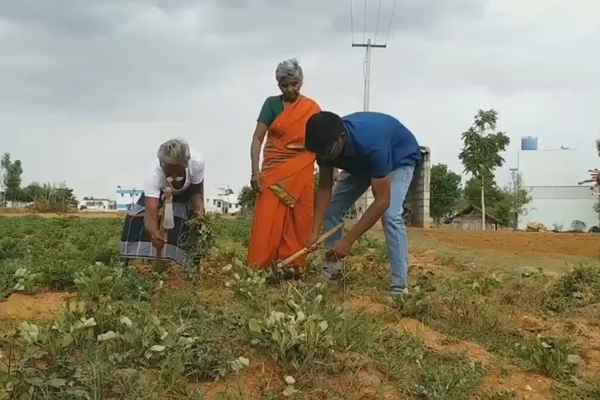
x: 255, y: 173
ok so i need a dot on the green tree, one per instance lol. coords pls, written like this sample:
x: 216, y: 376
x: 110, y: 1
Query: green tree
x: 33, y: 192
x: 445, y: 192
x: 247, y: 198
x: 518, y: 199
x: 12, y: 178
x: 55, y: 197
x: 481, y: 151
x: 494, y: 195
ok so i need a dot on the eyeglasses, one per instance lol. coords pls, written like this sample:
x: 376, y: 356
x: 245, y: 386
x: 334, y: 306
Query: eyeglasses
x: 332, y: 148
x: 285, y: 85
x: 170, y: 179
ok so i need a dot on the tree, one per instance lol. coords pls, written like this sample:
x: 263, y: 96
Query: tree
x: 493, y: 195
x: 50, y: 197
x: 12, y: 178
x: 247, y: 198
x: 481, y: 150
x: 33, y: 192
x: 518, y: 198
x: 506, y: 204
x: 445, y: 192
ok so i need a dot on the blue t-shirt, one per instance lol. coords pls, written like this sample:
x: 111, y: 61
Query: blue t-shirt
x: 377, y: 144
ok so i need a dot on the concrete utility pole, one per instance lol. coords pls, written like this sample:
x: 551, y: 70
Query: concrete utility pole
x: 363, y: 203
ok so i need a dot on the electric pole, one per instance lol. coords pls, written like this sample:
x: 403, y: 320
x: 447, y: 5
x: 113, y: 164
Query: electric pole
x: 362, y: 204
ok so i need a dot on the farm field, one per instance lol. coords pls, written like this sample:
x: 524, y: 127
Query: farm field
x: 492, y: 316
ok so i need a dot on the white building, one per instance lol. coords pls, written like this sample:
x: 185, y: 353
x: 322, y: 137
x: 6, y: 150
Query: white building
x: 551, y: 177
x: 126, y: 198
x: 221, y: 200
x: 217, y: 200
x: 92, y: 204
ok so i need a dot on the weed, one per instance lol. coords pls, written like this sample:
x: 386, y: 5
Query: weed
x: 412, y: 305
x: 552, y: 357
x: 299, y: 334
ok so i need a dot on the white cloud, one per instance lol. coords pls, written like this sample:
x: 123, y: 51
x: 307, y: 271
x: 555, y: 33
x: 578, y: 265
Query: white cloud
x: 90, y: 89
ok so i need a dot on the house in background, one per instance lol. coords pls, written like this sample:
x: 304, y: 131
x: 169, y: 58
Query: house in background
x: 221, y: 201
x: 216, y: 200
x: 126, y: 198
x: 551, y: 178
x: 92, y: 204
x: 470, y: 219
x: 221, y: 206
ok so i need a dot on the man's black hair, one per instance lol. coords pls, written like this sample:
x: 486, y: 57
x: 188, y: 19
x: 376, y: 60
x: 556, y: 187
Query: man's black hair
x: 322, y: 131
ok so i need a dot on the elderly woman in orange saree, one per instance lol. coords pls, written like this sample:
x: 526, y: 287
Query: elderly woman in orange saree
x: 284, y: 208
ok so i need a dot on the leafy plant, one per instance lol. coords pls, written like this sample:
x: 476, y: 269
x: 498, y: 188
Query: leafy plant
x: 299, y: 334
x: 577, y: 226
x: 412, y: 304
x: 248, y: 283
x: 552, y: 357
x: 199, y: 239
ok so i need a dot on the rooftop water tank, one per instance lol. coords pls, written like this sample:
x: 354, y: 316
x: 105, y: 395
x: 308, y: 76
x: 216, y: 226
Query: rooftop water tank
x: 529, y: 143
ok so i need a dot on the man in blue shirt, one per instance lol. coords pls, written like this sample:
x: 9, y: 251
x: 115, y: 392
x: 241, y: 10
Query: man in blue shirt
x: 372, y: 149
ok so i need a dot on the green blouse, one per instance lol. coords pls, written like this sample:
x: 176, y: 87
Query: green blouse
x: 271, y: 109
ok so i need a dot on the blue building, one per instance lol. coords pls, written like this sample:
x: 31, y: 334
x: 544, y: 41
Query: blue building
x: 126, y: 198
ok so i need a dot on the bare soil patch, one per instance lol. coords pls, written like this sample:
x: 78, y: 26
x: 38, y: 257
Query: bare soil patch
x: 43, y: 306
x: 571, y: 244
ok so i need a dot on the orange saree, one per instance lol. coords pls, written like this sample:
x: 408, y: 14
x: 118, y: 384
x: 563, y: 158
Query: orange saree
x: 284, y: 210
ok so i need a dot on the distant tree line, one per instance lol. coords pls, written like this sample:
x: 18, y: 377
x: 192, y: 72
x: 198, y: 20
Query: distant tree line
x: 46, y: 196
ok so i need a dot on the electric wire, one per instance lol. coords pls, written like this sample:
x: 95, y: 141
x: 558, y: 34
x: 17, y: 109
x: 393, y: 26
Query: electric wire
x: 365, y: 24
x: 352, y: 21
x: 377, y: 24
x: 391, y: 21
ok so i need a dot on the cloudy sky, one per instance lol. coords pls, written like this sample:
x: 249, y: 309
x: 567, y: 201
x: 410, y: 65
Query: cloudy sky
x: 90, y: 88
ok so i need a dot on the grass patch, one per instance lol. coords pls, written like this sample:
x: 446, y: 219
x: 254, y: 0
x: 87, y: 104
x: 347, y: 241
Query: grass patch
x: 219, y: 330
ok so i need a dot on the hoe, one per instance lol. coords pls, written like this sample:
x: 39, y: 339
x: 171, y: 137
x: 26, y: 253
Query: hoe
x: 284, y: 263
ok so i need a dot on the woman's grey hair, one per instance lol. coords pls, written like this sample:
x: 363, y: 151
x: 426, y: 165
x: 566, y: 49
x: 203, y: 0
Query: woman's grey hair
x: 174, y: 151
x: 287, y: 68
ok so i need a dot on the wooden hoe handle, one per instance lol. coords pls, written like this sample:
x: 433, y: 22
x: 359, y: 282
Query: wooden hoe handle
x: 320, y: 240
x: 168, y: 196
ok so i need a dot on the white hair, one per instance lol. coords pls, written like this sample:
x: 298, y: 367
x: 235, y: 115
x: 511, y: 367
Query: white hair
x: 287, y: 68
x: 174, y: 151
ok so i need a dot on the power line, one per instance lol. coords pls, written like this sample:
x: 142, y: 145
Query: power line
x: 368, y: 45
x: 377, y: 24
x: 365, y: 23
x: 352, y: 21
x: 391, y: 21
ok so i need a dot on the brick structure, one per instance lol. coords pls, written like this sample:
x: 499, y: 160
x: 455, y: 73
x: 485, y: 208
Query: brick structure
x: 416, y: 206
